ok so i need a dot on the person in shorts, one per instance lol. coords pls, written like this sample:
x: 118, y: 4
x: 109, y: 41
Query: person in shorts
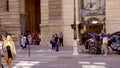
x: 23, y: 43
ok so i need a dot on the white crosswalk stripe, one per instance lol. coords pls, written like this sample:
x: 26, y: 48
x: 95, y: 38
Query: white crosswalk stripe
x: 38, y: 56
x: 23, y: 61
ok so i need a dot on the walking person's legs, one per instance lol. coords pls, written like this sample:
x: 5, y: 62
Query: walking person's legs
x: 54, y: 46
x: 9, y: 62
x: 105, y: 49
x: 21, y: 47
x: 24, y: 48
x: 57, y: 47
x: 1, y: 66
x: 62, y: 42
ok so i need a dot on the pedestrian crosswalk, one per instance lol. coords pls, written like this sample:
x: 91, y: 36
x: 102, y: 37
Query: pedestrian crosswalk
x: 38, y: 56
x: 26, y: 64
x: 23, y: 61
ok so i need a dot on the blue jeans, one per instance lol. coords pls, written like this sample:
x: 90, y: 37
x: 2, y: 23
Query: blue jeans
x: 57, y: 47
x: 53, y: 46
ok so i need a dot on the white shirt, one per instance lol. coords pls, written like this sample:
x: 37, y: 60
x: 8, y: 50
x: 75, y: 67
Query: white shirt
x: 105, y: 39
x: 23, y: 40
x: 0, y: 45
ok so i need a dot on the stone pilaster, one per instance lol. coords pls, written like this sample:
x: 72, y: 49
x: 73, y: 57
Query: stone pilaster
x: 11, y: 19
x: 112, y: 16
x: 50, y: 25
x: 68, y: 17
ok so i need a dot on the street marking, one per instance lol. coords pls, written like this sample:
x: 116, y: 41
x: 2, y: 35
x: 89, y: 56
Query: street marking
x: 27, y: 64
x: 94, y: 63
x: 55, y: 65
x: 99, y: 63
x: 83, y: 62
x: 42, y: 59
x: 92, y: 66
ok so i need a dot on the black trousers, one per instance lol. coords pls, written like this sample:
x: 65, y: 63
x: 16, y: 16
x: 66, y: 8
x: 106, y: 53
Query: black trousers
x: 61, y: 41
x: 57, y: 47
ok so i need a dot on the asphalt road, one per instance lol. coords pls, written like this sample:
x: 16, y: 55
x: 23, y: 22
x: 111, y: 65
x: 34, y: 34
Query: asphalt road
x: 44, y: 57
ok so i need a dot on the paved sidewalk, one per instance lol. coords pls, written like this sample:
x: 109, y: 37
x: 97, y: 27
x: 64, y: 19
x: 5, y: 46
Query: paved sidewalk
x: 44, y: 57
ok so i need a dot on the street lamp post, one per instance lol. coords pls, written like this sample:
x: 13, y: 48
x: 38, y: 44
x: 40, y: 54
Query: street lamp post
x: 75, y: 45
x: 28, y: 50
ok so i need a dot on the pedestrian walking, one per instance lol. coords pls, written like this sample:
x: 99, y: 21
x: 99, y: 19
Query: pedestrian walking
x: 33, y: 38
x: 105, y: 43
x: 38, y: 40
x: 56, y: 42
x: 1, y: 51
x: 3, y: 37
x: 29, y: 37
x: 23, y: 43
x: 52, y: 42
x: 9, y: 50
x: 61, y: 39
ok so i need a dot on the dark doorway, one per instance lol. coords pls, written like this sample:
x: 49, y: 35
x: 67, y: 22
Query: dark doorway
x: 33, y: 16
x: 90, y: 28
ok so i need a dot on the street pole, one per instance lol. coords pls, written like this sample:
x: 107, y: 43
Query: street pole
x: 29, y: 51
x: 75, y: 45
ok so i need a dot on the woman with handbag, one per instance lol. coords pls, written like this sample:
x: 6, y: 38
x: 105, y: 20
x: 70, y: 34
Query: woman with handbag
x: 1, y: 51
x: 9, y: 50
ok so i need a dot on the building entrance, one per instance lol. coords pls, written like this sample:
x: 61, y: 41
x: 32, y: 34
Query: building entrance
x: 32, y: 11
x: 84, y: 29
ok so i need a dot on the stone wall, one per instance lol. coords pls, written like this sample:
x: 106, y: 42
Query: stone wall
x: 68, y: 17
x: 50, y: 25
x: 11, y: 19
x: 112, y: 16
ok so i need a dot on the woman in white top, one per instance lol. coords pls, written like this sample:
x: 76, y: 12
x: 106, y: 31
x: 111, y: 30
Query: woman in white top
x: 105, y: 43
x: 1, y: 51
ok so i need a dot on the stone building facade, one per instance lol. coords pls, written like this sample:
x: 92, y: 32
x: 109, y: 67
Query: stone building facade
x: 57, y: 16
x: 10, y: 17
x: 112, y: 16
x: 53, y: 16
